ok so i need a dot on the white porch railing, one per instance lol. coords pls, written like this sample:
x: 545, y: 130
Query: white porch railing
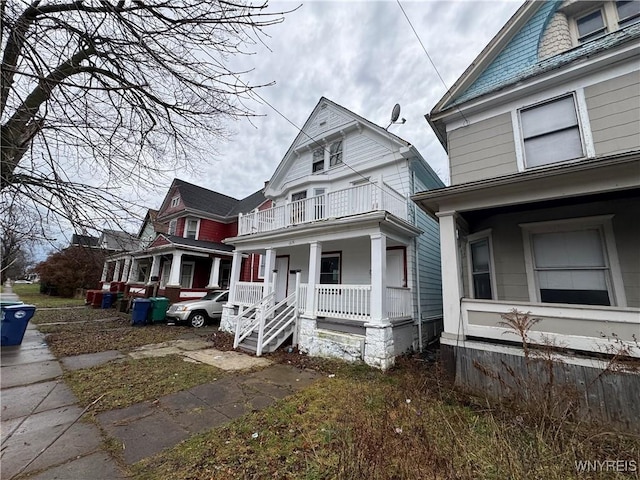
x: 339, y: 203
x: 399, y: 302
x: 248, y: 293
x: 343, y: 301
x: 302, y: 299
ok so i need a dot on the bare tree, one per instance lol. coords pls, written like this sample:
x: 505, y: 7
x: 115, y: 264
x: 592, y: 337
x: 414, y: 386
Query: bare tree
x: 101, y: 95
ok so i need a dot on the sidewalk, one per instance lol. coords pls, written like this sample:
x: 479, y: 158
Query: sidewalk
x: 44, y: 437
x: 42, y: 430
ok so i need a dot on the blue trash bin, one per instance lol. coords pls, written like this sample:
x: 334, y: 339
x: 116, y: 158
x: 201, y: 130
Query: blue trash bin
x: 107, y: 299
x: 14, y: 323
x: 139, y: 311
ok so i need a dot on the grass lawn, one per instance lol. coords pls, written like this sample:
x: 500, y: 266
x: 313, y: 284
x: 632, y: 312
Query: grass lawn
x: 30, y: 294
x: 403, y: 424
x: 125, y: 382
x: 84, y: 330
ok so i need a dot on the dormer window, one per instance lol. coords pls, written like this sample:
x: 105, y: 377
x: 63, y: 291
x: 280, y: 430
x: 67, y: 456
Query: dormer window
x: 590, y: 26
x: 318, y: 160
x: 175, y: 201
x: 335, y: 153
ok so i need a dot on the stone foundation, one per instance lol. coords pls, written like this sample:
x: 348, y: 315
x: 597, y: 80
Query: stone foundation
x: 379, y: 350
x: 226, y: 323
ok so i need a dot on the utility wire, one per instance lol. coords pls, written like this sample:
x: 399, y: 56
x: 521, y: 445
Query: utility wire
x: 429, y: 57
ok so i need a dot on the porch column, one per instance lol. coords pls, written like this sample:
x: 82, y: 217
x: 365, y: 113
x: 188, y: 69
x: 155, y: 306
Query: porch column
x: 155, y: 268
x: 214, y: 274
x: 269, y: 265
x: 117, y: 270
x: 174, y: 274
x: 236, y: 266
x: 105, y: 270
x: 124, y: 276
x: 315, y: 257
x: 452, y: 290
x: 378, y: 278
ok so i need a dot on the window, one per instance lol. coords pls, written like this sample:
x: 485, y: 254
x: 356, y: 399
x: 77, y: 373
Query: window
x: 191, y: 228
x: 590, y: 26
x: 172, y: 226
x: 335, y: 153
x: 330, y: 268
x: 186, y: 274
x: 628, y: 12
x: 318, y: 203
x: 318, y: 160
x: 574, y: 262
x: 551, y: 132
x: 175, y: 201
x: 297, y: 207
x: 143, y: 272
x: 480, y: 262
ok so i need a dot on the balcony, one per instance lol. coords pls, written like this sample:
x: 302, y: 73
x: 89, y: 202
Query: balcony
x: 356, y: 200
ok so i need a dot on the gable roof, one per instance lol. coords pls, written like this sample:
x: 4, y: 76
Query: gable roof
x: 118, y: 240
x: 201, y: 199
x: 303, y: 136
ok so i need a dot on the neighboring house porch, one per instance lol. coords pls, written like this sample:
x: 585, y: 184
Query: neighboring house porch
x: 179, y: 268
x: 353, y: 300
x: 559, y: 243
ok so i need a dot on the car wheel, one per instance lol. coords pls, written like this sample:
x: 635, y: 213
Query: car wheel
x: 197, y: 319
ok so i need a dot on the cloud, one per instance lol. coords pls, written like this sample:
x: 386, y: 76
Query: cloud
x: 362, y: 55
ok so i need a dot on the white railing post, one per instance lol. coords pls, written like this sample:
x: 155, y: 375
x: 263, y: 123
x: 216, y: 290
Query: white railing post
x: 296, y: 310
x: 260, y: 332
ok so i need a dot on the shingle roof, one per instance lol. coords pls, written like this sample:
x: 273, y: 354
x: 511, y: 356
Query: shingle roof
x: 204, y: 200
x: 190, y: 242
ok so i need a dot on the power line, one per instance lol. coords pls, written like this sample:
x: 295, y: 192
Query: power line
x: 429, y: 56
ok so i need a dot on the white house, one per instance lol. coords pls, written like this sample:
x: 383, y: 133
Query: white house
x: 352, y: 269
x: 543, y: 137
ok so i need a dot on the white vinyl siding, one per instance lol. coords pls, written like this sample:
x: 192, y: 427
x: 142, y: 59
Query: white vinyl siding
x: 551, y: 132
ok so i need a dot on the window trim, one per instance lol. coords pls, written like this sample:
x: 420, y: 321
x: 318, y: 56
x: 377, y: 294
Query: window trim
x: 338, y: 254
x: 625, y: 22
x: 318, y: 162
x: 476, y: 237
x: 338, y: 152
x: 185, y: 229
x: 175, y: 201
x: 615, y: 284
x: 606, y: 25
x: 580, y: 125
x: 173, y: 227
x: 193, y: 270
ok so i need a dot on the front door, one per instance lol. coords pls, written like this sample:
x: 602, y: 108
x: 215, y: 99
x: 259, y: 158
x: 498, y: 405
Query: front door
x: 282, y: 265
x: 395, y: 268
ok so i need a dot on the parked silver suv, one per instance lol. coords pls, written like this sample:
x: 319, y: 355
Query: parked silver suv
x: 198, y: 312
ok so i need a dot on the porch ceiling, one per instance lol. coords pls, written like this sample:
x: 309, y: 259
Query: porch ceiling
x: 330, y: 230
x: 558, y: 182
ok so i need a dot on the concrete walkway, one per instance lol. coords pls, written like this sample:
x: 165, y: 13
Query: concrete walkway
x: 44, y: 437
x: 42, y: 431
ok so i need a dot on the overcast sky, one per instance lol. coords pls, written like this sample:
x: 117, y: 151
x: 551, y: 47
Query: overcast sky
x: 362, y: 55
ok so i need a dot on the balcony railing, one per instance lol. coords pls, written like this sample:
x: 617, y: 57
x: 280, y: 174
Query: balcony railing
x: 248, y: 293
x: 356, y: 200
x: 399, y: 302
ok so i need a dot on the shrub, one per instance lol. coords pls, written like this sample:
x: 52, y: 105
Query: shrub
x: 72, y: 268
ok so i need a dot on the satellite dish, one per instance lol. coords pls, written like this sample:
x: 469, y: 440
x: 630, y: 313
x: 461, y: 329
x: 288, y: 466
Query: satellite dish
x: 395, y: 113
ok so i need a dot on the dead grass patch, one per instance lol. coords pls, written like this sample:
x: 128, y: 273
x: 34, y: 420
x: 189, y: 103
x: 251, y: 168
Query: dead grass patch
x: 126, y: 382
x: 404, y: 424
x: 89, y: 331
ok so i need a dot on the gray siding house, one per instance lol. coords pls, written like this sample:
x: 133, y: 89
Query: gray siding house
x: 542, y: 215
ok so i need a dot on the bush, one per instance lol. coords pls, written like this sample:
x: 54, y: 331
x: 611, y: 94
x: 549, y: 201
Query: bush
x: 72, y: 268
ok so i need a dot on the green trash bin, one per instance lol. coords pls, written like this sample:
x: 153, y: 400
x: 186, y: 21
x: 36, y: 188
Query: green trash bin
x: 158, y: 310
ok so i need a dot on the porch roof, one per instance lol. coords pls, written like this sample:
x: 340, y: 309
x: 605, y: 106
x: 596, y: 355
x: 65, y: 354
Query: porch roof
x: 330, y: 229
x: 592, y: 176
x: 180, y: 243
